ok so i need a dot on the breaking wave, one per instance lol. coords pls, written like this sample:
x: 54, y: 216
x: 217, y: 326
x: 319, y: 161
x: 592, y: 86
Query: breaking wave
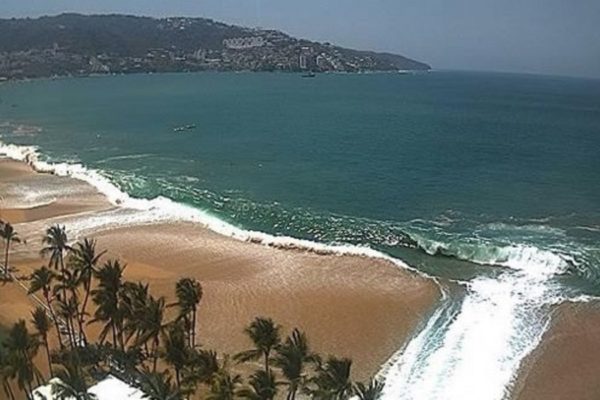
x: 515, y: 256
x: 473, y: 346
x: 470, y: 348
x: 161, y: 209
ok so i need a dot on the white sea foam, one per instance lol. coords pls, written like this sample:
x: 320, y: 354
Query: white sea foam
x: 514, y: 256
x: 478, y: 349
x: 468, y: 350
x: 475, y: 351
x: 161, y: 209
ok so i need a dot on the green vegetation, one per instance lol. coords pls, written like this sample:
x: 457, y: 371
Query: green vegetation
x: 76, y: 45
x: 137, y: 344
x: 9, y: 236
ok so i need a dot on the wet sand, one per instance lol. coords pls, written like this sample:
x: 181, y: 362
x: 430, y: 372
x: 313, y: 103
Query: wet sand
x: 348, y: 305
x: 567, y: 364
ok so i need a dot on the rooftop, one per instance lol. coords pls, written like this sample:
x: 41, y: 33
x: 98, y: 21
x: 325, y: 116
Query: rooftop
x: 110, y: 388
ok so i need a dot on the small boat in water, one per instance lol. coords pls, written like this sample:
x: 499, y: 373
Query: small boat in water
x: 309, y: 75
x: 184, y: 128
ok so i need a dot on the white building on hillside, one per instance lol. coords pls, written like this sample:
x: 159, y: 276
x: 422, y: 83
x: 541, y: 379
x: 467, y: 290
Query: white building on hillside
x: 241, y: 43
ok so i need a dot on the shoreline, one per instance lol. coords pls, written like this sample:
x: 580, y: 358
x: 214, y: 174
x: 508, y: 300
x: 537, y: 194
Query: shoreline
x: 350, y: 305
x: 179, y: 212
x: 243, y: 71
x: 565, y: 364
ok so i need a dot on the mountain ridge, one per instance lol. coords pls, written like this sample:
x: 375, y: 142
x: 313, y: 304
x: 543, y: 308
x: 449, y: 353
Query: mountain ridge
x: 78, y: 44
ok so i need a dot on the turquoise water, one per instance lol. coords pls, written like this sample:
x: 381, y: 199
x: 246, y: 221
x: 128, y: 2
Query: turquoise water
x: 489, y: 179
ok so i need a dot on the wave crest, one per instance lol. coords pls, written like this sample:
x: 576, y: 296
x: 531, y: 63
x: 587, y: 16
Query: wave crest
x: 164, y: 209
x: 524, y: 257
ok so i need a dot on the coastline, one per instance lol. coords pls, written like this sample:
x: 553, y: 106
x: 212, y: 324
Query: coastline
x: 565, y: 365
x: 349, y: 305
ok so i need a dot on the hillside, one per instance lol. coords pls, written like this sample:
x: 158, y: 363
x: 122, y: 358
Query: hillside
x: 74, y: 44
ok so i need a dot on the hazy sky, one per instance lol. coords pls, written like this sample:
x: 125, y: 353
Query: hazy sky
x: 538, y: 36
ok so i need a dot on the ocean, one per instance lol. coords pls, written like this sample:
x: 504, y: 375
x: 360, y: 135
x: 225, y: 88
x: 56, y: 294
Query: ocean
x: 489, y: 183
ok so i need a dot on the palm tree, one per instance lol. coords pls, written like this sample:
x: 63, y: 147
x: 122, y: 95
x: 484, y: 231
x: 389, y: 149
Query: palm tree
x: 333, y: 380
x: 265, y: 335
x: 42, y: 325
x: 373, y: 391
x: 56, y: 244
x: 69, y: 282
x: 85, y: 259
x: 67, y: 310
x: 153, y: 326
x: 176, y: 351
x: 290, y: 358
x: 22, y: 349
x: 9, y: 235
x: 262, y: 386
x: 41, y: 279
x: 71, y: 383
x: 159, y: 386
x: 6, y: 371
x: 202, y: 365
x: 189, y: 294
x: 224, y: 386
x: 133, y: 299
x: 106, y: 297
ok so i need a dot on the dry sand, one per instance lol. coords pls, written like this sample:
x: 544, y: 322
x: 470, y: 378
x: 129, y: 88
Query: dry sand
x: 348, y: 305
x: 567, y: 364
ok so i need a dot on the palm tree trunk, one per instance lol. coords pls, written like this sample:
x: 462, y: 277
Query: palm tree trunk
x: 293, y: 390
x: 155, y: 353
x: 30, y: 394
x: 55, y: 319
x: 80, y: 334
x: 48, y: 355
x: 114, y: 335
x: 10, y: 392
x: 121, y: 337
x: 70, y: 331
x: 187, y: 323
x: 74, y: 333
x: 29, y: 388
x: 38, y: 381
x: 64, y: 290
x: 8, y: 389
x: 178, y: 378
x: 62, y: 271
x: 194, y: 328
x: 6, y: 258
x: 267, y: 362
x: 81, y: 331
x: 82, y: 313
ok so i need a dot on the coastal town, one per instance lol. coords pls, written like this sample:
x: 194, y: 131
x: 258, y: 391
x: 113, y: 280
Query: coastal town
x: 182, y: 45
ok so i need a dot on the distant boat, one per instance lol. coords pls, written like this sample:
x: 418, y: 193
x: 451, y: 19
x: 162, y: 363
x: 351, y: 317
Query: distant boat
x: 309, y: 75
x: 184, y: 128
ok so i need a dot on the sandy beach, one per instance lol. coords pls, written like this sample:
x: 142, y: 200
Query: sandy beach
x: 351, y: 306
x: 566, y: 365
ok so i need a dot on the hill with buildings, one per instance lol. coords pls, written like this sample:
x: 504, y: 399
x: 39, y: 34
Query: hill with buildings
x: 79, y: 45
